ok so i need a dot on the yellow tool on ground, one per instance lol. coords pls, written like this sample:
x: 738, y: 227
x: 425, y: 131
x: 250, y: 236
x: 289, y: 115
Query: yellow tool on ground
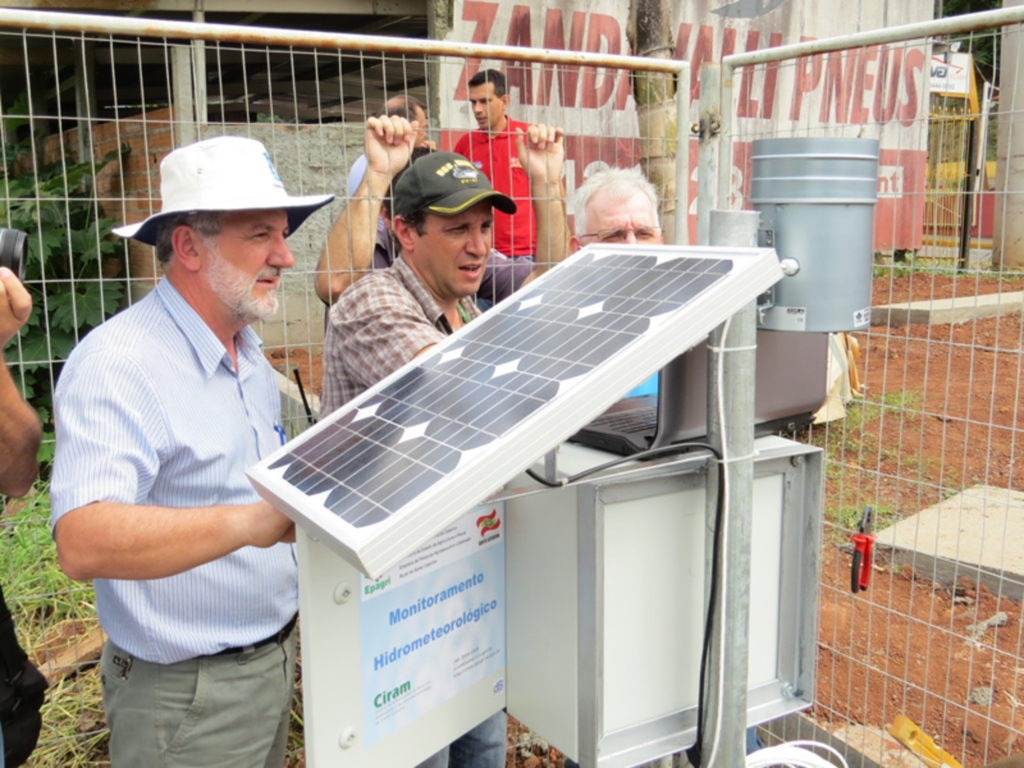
x: 920, y: 743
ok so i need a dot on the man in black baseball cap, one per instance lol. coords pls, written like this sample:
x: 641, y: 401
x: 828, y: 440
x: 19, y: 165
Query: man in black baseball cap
x: 362, y: 238
x: 443, y: 221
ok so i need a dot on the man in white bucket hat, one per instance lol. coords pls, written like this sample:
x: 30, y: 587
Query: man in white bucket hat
x: 159, y: 412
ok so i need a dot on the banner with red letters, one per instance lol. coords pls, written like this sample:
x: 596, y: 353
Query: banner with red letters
x: 879, y: 92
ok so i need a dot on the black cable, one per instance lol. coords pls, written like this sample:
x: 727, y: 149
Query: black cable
x: 650, y: 453
x: 305, y: 404
x: 693, y: 754
x: 543, y: 480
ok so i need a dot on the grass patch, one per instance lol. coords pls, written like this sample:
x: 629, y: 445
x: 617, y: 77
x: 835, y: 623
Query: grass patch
x: 859, y: 452
x: 74, y: 730
x: 39, y: 593
x: 52, y: 615
x: 942, y: 268
x: 848, y: 517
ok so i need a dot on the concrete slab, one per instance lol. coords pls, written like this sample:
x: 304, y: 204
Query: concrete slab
x: 948, y: 311
x: 978, y: 533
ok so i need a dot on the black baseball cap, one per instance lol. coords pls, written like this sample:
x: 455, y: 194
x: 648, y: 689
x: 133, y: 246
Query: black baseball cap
x: 445, y: 184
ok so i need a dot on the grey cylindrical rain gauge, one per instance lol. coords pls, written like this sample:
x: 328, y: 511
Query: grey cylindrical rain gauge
x: 816, y: 197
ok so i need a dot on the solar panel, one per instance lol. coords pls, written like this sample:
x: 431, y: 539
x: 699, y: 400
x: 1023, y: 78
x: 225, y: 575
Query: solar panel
x: 393, y: 467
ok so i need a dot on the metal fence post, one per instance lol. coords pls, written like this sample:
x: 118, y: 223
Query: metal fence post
x: 682, y: 223
x: 707, y: 154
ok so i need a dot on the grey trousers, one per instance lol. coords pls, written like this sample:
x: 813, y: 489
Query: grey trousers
x: 227, y: 711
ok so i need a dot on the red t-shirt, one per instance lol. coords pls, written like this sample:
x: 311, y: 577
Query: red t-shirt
x: 496, y: 156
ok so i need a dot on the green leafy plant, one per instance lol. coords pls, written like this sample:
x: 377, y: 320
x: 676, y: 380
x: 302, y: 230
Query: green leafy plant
x: 72, y: 260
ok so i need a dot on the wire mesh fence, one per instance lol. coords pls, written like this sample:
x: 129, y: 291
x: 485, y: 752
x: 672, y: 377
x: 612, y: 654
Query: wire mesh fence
x: 85, y: 123
x: 923, y: 417
x: 928, y: 437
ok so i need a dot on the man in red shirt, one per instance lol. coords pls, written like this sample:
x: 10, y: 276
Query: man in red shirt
x: 492, y: 149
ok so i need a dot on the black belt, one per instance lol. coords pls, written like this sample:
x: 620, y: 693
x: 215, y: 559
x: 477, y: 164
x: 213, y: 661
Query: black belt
x: 278, y: 637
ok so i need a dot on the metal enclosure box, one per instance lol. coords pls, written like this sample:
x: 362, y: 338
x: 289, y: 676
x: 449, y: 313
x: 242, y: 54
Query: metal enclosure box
x: 605, y: 590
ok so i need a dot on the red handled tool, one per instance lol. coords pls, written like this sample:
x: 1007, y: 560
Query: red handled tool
x: 863, y: 543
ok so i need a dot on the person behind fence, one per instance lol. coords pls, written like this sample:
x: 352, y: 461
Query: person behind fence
x: 412, y: 110
x: 619, y: 205
x: 492, y: 150
x: 159, y: 412
x: 344, y: 260
x: 353, y: 246
x: 443, y: 220
x: 20, y: 431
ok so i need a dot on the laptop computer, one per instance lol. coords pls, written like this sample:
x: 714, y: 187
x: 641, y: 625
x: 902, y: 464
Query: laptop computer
x: 790, y: 386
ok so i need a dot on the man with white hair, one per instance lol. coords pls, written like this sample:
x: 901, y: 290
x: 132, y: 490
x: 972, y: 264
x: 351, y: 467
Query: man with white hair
x: 616, y: 205
x: 159, y: 411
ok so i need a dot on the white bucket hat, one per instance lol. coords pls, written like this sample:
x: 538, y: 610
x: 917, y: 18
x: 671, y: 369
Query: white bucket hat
x: 228, y: 173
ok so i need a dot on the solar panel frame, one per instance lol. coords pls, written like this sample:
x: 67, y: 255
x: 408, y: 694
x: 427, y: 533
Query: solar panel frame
x: 376, y: 547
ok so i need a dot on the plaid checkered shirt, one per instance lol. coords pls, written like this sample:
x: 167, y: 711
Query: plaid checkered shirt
x: 378, y: 325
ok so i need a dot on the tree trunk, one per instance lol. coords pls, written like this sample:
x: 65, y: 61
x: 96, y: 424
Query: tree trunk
x: 650, y: 34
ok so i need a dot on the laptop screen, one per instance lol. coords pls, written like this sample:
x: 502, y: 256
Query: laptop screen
x: 649, y: 387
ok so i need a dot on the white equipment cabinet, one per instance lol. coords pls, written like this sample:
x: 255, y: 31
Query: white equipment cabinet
x: 603, y: 605
x: 606, y: 589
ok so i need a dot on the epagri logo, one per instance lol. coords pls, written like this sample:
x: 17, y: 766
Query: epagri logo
x: 488, y: 524
x: 377, y: 586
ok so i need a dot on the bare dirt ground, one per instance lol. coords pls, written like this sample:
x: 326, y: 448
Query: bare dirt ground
x: 948, y: 419
x: 941, y: 412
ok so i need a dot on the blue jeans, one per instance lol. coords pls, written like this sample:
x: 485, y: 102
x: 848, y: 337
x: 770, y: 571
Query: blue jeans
x: 753, y: 744
x: 481, y: 747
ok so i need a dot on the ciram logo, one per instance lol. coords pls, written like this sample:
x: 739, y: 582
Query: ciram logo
x: 488, y: 523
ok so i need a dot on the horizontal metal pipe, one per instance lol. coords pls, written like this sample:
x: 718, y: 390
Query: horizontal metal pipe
x: 921, y: 29
x: 78, y: 23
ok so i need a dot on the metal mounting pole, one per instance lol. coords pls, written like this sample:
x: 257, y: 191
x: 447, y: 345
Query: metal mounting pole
x: 731, y: 430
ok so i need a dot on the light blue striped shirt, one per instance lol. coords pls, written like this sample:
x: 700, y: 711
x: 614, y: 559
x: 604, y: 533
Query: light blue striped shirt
x: 149, y: 411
